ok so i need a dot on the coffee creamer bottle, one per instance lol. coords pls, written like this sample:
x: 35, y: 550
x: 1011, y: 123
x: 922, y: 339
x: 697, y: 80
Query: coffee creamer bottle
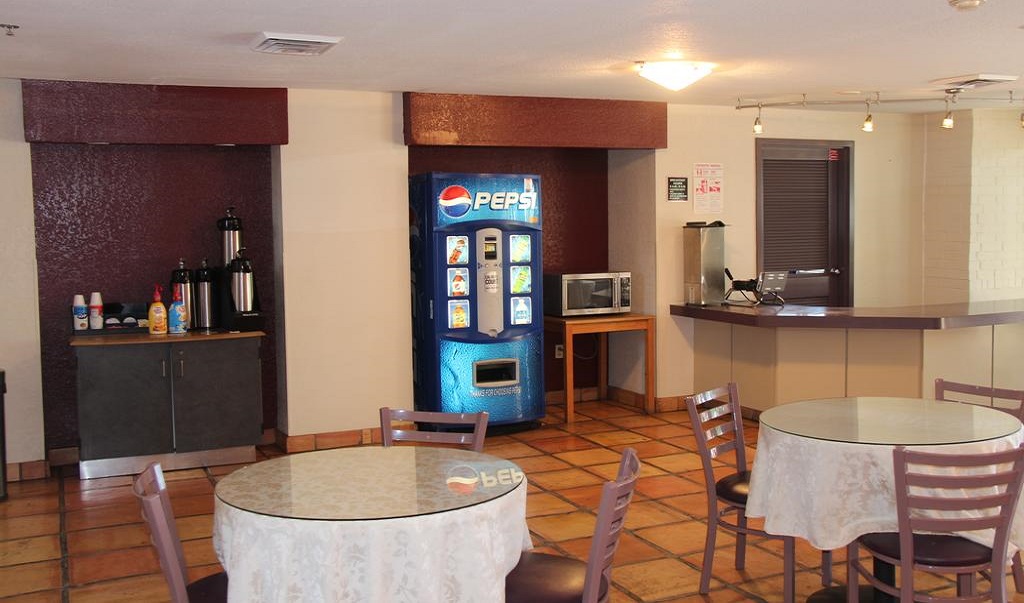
x: 177, y: 315
x: 157, y: 314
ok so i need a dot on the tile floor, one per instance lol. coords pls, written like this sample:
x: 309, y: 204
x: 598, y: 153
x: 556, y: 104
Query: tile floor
x: 68, y: 540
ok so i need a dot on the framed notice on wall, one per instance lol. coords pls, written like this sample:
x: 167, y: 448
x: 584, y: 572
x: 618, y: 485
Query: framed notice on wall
x: 707, y: 188
x: 678, y: 189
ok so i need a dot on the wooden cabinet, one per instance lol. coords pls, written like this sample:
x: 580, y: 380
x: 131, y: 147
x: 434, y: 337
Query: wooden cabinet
x: 140, y: 396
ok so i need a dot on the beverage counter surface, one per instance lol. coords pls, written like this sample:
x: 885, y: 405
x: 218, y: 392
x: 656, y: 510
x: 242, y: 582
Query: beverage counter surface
x: 146, y: 338
x: 924, y: 317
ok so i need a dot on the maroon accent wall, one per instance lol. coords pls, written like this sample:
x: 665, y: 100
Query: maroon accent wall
x: 116, y: 218
x: 574, y: 214
x: 58, y: 111
x: 520, y: 121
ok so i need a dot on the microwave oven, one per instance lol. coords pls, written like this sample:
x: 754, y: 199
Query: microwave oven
x: 585, y: 294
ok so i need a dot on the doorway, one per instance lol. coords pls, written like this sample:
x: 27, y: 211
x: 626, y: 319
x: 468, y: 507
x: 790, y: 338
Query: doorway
x: 804, y: 219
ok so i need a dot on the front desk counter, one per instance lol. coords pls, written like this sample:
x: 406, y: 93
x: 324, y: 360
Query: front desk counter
x: 780, y: 354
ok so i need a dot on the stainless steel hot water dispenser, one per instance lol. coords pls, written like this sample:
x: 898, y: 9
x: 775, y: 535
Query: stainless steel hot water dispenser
x: 704, y: 263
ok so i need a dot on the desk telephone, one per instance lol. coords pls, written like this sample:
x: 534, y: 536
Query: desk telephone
x: 764, y: 289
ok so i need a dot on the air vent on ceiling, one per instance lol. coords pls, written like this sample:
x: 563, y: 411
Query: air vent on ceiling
x: 298, y: 44
x: 970, y: 82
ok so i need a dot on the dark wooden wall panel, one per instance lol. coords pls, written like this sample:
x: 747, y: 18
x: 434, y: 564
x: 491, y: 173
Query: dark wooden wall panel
x: 520, y: 121
x: 116, y: 218
x: 574, y: 197
x: 58, y: 111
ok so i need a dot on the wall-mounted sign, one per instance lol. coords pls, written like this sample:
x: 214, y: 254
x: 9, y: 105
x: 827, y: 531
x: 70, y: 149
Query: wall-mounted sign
x: 678, y: 188
x: 708, y: 179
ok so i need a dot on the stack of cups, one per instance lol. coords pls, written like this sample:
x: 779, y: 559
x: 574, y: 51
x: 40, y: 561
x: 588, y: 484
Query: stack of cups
x: 95, y: 311
x: 80, y: 313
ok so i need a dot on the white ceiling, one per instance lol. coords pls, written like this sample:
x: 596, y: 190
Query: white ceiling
x: 767, y: 50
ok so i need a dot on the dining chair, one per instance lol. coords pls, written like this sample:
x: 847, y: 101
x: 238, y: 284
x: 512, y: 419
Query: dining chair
x: 151, y: 490
x: 942, y: 494
x: 545, y: 578
x: 473, y: 439
x: 968, y: 393
x: 718, y: 428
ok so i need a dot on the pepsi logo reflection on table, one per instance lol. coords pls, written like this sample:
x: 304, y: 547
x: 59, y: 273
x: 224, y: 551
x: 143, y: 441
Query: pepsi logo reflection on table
x: 465, y: 478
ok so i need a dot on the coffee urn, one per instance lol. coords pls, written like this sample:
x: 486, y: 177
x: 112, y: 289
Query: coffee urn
x: 238, y: 299
x: 704, y: 263
x: 203, y: 317
x: 241, y: 282
x: 231, y: 236
x: 181, y: 284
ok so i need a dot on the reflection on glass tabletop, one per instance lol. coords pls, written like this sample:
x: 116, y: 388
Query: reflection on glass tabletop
x: 371, y: 482
x: 894, y: 421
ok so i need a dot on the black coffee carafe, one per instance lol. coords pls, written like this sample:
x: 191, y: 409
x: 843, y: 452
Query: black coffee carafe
x: 203, y: 318
x: 181, y: 284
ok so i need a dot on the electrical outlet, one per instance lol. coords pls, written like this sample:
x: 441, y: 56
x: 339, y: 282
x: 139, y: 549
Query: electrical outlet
x: 559, y: 350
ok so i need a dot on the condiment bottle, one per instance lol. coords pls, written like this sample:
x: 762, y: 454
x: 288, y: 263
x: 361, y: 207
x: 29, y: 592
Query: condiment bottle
x: 157, y: 314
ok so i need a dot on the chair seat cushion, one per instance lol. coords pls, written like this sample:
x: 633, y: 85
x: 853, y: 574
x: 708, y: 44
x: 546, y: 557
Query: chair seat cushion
x: 543, y: 578
x: 931, y: 549
x: 734, y: 488
x: 209, y: 589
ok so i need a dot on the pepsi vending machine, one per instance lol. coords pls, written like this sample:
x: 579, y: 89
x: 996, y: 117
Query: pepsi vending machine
x: 476, y: 283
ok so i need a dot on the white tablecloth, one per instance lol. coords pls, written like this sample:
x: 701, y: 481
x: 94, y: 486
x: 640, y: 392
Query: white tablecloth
x: 460, y: 555
x: 829, y: 493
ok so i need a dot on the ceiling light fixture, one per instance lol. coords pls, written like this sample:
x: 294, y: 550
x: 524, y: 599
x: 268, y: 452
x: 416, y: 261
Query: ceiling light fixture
x: 674, y: 75
x: 947, y: 121
x: 1022, y: 120
x: 869, y: 124
x: 966, y: 4
x: 758, y: 128
x: 10, y: 28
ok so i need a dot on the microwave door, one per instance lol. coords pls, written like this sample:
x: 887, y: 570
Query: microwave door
x: 588, y: 296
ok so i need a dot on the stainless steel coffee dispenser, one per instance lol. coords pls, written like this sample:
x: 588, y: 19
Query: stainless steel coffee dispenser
x: 704, y: 263
x: 239, y: 302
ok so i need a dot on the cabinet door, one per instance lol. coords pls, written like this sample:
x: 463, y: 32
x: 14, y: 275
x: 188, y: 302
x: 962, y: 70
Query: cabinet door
x: 124, y: 401
x: 217, y: 394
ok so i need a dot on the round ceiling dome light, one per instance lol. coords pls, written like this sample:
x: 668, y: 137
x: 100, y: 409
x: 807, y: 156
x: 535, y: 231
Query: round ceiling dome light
x: 966, y: 4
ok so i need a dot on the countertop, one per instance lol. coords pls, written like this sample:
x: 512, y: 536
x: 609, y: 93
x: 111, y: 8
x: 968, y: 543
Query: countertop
x: 934, y: 316
x: 146, y: 338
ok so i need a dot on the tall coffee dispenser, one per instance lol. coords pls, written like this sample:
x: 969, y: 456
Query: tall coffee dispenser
x: 203, y: 317
x: 239, y: 303
x: 181, y: 285
x: 704, y: 263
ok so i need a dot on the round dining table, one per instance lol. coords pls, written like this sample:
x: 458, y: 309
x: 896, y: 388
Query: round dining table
x: 823, y: 469
x: 402, y: 523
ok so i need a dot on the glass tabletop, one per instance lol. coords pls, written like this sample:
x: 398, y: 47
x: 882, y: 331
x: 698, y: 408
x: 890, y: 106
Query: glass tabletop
x: 370, y: 482
x: 895, y: 421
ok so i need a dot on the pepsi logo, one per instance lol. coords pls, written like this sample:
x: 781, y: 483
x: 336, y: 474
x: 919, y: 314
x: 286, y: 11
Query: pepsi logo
x: 455, y: 201
x: 462, y: 479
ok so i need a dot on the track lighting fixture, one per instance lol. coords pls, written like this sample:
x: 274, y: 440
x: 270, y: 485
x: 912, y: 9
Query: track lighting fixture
x: 869, y: 125
x: 947, y: 121
x: 759, y: 129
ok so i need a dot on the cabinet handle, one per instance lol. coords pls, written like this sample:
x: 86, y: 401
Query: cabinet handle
x: 181, y: 369
x: 163, y: 369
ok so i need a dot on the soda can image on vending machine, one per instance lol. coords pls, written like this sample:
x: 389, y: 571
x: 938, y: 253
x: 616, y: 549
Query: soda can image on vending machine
x: 475, y: 253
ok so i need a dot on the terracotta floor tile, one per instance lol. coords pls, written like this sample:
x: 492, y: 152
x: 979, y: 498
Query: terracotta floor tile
x: 546, y: 504
x: 661, y: 486
x: 149, y: 588
x: 113, y: 564
x: 664, y: 430
x: 677, y: 463
x: 600, y: 410
x: 587, y: 497
x: 29, y: 505
x: 29, y: 577
x: 98, y: 483
x: 544, y: 433
x: 682, y: 538
x: 609, y: 471
x: 100, y: 496
x: 647, y: 513
x: 103, y: 539
x: 30, y: 488
x: 694, y: 505
x: 649, y: 449
x: 592, y: 456
x: 566, y: 478
x: 29, y: 525
x: 512, y: 451
x: 657, y: 579
x: 537, y: 464
x: 567, y: 526
x: 631, y: 549
x: 563, y: 444
x: 593, y: 426
x: 102, y: 516
x: 48, y: 596
x: 613, y: 438
x: 29, y: 550
x: 199, y: 552
x: 636, y: 421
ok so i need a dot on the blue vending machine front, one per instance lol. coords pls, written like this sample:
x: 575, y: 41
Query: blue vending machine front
x: 478, y: 327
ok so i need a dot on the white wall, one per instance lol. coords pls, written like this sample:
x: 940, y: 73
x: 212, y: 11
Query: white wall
x: 19, y: 318
x: 342, y: 201
x: 887, y: 177
x: 996, y: 257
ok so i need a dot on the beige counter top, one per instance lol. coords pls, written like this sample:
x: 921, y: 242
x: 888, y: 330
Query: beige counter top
x: 924, y: 317
x: 146, y: 338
